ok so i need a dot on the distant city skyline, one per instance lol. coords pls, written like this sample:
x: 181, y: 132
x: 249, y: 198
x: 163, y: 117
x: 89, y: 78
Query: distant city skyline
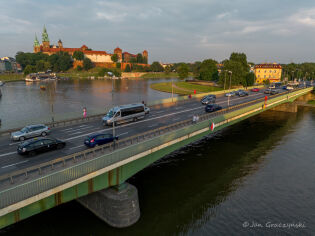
x: 172, y: 31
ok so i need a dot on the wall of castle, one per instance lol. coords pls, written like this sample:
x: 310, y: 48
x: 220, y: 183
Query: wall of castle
x: 99, y: 58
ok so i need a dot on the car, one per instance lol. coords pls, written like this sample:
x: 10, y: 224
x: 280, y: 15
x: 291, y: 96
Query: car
x: 289, y: 87
x: 230, y: 94
x: 146, y: 110
x: 208, y: 99
x: 39, y: 145
x: 274, y: 91
x: 255, y: 90
x: 267, y: 91
x: 30, y: 132
x: 212, y: 108
x: 243, y: 94
x: 239, y: 91
x: 99, y: 139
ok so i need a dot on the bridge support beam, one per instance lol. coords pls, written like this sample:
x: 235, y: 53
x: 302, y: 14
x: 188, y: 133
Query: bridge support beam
x: 117, y: 206
x: 286, y: 107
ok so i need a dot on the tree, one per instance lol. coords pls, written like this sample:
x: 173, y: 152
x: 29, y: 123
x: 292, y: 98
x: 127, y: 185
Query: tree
x: 87, y: 64
x: 238, y: 74
x: 208, y: 70
x: 249, y: 79
x: 78, y: 55
x: 139, y: 58
x: 128, y: 69
x: 156, y: 67
x: 29, y: 69
x: 118, y: 65
x: 79, y: 68
x: 114, y: 57
x: 182, y: 71
x: 167, y: 69
x: 42, y: 65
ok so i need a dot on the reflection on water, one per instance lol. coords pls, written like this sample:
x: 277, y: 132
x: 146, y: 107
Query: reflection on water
x: 23, y: 103
x: 259, y: 170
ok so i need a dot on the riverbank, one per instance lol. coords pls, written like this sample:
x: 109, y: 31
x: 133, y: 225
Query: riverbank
x: 11, y: 77
x: 184, y: 88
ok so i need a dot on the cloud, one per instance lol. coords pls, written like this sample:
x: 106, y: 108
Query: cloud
x: 304, y: 17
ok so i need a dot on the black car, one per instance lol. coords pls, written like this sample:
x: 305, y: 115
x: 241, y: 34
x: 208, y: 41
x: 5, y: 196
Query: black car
x: 212, y: 107
x: 239, y: 91
x: 99, y: 139
x: 208, y: 99
x: 242, y: 93
x: 39, y: 145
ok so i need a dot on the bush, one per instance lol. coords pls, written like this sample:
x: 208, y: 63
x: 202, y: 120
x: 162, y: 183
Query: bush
x: 79, y: 68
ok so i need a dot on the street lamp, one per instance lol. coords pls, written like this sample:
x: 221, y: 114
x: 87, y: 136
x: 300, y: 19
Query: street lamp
x: 111, y: 75
x: 224, y: 78
x: 230, y: 73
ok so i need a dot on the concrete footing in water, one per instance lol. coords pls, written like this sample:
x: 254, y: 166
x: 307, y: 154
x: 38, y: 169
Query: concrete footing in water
x: 286, y: 107
x: 117, y: 206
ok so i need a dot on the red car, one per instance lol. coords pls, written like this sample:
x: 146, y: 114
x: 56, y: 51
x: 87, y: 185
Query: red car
x: 255, y: 90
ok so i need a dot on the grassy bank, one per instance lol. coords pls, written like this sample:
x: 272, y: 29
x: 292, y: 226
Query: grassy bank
x: 183, y: 88
x: 11, y: 77
x: 162, y: 75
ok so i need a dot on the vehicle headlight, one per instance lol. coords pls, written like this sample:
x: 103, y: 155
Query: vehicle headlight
x: 23, y: 149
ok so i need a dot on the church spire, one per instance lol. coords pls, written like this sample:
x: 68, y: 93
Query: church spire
x: 45, y: 35
x: 36, y: 43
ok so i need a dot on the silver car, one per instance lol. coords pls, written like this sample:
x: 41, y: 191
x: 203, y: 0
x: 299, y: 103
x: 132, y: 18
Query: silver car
x: 30, y: 132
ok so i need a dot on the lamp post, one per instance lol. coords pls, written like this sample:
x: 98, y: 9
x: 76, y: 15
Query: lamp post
x: 230, y: 73
x: 224, y: 78
x: 110, y: 74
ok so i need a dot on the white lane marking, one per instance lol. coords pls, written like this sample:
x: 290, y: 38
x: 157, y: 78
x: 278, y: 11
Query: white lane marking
x: 7, y: 154
x: 76, y: 147
x: 200, y: 107
x: 14, y: 164
x: 83, y: 125
x: 158, y: 112
x: 67, y: 129
x: 15, y: 143
x: 88, y: 127
x: 122, y: 134
x: 150, y: 126
x: 80, y: 132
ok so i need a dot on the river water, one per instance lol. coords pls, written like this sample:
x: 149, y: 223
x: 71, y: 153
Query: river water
x: 25, y: 103
x: 246, y: 179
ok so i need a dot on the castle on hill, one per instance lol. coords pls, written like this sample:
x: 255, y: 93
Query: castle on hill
x: 99, y: 58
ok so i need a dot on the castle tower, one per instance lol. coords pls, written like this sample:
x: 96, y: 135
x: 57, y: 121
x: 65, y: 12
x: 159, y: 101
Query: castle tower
x: 145, y: 55
x: 60, y: 44
x: 45, y: 39
x: 36, y: 45
x: 118, y: 51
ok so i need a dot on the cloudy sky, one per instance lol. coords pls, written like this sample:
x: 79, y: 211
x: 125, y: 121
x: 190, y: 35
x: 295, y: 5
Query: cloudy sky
x: 171, y: 30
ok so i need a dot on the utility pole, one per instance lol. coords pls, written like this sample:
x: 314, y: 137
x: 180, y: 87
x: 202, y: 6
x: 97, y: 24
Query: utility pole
x: 230, y: 73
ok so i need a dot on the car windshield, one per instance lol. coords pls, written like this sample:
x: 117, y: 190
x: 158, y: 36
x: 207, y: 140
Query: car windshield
x: 24, y: 130
x: 110, y: 114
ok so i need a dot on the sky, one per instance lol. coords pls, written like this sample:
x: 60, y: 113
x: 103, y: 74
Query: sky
x: 170, y: 30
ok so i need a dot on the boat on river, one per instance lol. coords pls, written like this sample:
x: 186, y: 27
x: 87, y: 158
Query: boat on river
x: 36, y: 77
x: 1, y: 83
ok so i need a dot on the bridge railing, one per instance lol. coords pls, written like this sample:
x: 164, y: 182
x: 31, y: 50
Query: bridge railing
x: 25, y: 183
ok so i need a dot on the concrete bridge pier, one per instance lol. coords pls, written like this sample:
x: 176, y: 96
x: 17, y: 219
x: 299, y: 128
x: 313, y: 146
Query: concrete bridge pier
x: 118, y: 206
x: 286, y: 107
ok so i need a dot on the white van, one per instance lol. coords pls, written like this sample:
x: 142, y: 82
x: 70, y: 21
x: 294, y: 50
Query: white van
x: 124, y: 113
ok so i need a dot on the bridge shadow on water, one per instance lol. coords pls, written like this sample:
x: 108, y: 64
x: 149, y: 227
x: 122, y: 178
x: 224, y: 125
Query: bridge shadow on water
x: 181, y: 192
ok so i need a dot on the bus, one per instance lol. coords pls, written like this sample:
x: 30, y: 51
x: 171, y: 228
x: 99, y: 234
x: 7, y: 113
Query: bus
x: 124, y: 113
x: 275, y: 85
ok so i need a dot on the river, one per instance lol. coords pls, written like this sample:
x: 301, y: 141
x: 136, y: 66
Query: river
x: 255, y: 177
x: 25, y: 103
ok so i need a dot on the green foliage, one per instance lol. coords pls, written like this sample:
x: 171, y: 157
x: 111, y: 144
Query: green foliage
x: 104, y: 72
x: 133, y: 60
x: 42, y: 66
x: 29, y: 69
x: 128, y: 69
x: 87, y: 64
x: 249, y: 79
x: 266, y: 82
x: 182, y: 71
x: 140, y: 58
x: 156, y: 67
x: 118, y: 65
x: 208, y: 70
x: 167, y: 69
x: 79, y: 68
x: 114, y: 57
x: 78, y: 55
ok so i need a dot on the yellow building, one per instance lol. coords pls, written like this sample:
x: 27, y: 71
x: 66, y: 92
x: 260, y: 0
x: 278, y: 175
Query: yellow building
x: 271, y: 72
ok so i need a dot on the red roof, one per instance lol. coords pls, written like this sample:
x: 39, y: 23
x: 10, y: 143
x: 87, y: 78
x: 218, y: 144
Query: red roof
x: 268, y: 66
x: 133, y: 55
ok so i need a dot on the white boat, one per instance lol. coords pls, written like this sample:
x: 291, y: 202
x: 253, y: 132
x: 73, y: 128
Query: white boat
x: 1, y: 83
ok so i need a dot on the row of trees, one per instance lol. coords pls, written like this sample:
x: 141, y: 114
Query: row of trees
x: 299, y: 71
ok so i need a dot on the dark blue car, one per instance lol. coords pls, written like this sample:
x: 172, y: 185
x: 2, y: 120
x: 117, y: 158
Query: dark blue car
x: 212, y: 107
x: 99, y: 139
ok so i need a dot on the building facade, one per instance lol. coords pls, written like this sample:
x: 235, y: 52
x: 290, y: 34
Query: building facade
x: 268, y: 71
x: 9, y: 64
x: 97, y: 57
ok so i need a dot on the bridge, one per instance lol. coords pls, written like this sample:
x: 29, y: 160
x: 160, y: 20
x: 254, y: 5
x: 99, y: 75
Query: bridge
x: 97, y: 177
